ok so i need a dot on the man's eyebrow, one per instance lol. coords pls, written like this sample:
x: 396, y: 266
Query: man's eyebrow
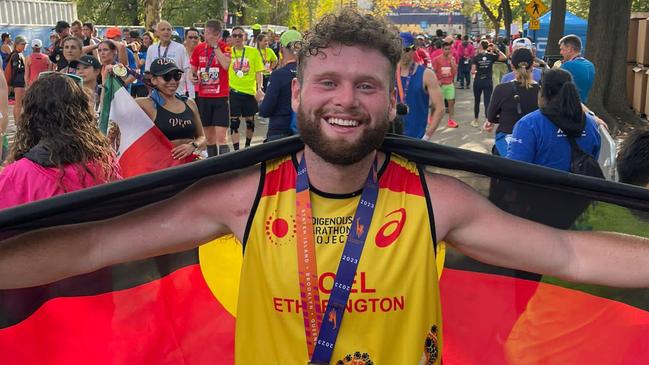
x: 356, y: 78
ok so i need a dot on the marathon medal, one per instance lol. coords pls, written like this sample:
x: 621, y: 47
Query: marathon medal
x: 119, y: 70
x: 240, y: 72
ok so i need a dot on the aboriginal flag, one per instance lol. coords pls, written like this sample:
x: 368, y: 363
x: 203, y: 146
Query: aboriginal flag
x: 179, y: 308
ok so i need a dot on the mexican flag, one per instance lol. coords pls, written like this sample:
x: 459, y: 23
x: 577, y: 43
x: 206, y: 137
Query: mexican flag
x: 141, y: 146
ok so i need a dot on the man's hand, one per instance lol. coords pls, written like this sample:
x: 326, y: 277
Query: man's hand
x: 259, y: 96
x: 488, y: 126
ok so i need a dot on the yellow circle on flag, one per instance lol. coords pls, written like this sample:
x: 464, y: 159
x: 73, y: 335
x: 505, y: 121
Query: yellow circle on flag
x: 220, y: 262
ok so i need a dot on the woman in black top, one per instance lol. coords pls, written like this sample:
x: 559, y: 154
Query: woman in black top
x: 482, y: 69
x: 512, y: 100
x: 15, y: 74
x: 177, y: 118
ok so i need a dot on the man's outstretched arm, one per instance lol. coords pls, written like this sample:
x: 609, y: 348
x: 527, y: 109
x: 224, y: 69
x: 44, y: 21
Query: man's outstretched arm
x: 207, y: 210
x: 480, y: 230
x: 436, y: 101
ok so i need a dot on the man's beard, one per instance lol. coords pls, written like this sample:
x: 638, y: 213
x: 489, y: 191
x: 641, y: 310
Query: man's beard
x: 340, y: 152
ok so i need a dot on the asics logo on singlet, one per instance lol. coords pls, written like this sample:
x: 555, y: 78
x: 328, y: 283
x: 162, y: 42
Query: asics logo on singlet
x: 394, y: 227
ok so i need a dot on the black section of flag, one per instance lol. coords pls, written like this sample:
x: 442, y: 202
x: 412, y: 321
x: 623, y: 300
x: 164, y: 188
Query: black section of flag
x: 18, y: 304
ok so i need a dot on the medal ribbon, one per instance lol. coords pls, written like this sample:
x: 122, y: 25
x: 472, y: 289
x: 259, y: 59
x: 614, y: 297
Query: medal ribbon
x: 166, y: 50
x: 321, y: 335
x: 401, y: 90
x: 208, y: 65
x: 242, y: 56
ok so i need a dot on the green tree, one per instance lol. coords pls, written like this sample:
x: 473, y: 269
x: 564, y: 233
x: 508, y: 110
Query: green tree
x: 640, y: 5
x: 110, y: 12
x: 498, y: 12
x: 187, y: 12
x: 578, y: 7
x: 299, y: 16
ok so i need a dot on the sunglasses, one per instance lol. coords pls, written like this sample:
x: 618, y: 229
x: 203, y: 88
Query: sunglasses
x: 75, y: 78
x: 192, y: 37
x: 237, y: 35
x: 172, y: 75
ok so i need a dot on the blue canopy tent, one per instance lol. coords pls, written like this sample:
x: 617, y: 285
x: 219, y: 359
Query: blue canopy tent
x: 573, y: 25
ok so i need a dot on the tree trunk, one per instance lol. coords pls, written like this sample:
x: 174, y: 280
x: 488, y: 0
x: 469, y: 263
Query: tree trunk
x: 494, y: 20
x: 508, y: 18
x: 152, y: 12
x: 607, y: 51
x: 556, y: 26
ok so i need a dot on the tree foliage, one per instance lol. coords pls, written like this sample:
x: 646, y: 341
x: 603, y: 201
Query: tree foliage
x: 496, y: 11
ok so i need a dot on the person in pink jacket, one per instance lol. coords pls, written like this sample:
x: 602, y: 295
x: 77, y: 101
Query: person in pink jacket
x: 465, y: 53
x: 58, y: 147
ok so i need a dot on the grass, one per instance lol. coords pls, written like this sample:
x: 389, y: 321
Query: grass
x: 610, y: 217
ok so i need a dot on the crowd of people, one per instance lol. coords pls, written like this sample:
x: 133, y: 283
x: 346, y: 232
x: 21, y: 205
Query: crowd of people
x: 195, y: 91
x: 513, y: 84
x: 200, y: 90
x: 215, y: 80
x: 225, y: 72
x: 344, y: 95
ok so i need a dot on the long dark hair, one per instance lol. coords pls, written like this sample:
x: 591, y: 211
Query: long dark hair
x: 562, y: 103
x: 63, y: 123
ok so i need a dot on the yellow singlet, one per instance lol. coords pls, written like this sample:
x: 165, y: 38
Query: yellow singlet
x: 393, y: 315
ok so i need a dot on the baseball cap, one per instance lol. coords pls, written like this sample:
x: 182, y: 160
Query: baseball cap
x: 113, y: 32
x: 407, y: 39
x: 91, y: 61
x: 162, y: 66
x: 522, y: 43
x: 37, y: 43
x: 420, y: 37
x: 175, y: 36
x: 289, y: 37
x: 522, y: 55
x: 255, y: 27
x: 20, y: 40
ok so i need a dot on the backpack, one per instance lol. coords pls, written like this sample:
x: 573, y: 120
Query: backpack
x: 582, y: 163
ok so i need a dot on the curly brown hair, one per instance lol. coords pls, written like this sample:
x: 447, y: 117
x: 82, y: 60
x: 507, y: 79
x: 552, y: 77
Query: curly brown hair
x: 57, y: 114
x: 351, y: 28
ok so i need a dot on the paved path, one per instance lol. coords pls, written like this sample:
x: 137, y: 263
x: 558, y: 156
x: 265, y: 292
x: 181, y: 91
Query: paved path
x: 464, y: 136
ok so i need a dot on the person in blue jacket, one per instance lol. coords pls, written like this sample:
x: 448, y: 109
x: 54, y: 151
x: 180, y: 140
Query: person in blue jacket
x: 276, y: 105
x: 540, y: 137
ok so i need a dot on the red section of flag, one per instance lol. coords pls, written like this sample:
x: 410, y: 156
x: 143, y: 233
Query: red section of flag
x: 399, y: 179
x: 280, y: 179
x: 174, y: 320
x: 150, y: 152
x: 485, y: 321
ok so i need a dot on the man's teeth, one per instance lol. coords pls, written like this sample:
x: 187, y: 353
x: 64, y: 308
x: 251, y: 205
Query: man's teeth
x: 343, y: 122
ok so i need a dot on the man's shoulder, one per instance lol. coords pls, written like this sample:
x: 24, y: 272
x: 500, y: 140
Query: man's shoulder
x: 283, y: 72
x: 238, y: 182
x: 200, y: 47
x: 507, y: 77
x: 176, y: 45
